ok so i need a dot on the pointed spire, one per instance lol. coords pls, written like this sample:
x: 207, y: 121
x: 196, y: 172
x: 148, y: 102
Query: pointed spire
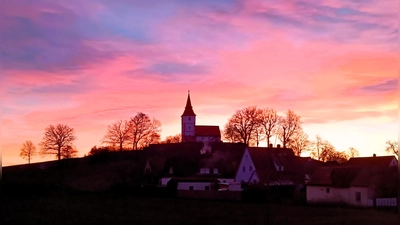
x: 188, y: 108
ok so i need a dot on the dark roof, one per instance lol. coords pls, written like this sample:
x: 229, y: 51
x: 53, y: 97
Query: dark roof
x: 340, y: 177
x: 294, y: 167
x: 185, y: 158
x: 375, y: 161
x: 188, y: 108
x: 207, y: 131
x: 225, y: 157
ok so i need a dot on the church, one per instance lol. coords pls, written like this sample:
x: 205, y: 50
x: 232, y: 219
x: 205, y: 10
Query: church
x: 197, y: 133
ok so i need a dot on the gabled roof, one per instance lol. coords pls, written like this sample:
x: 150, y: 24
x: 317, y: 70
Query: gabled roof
x: 188, y: 108
x: 185, y: 158
x: 340, y: 177
x: 207, y: 131
x: 225, y: 157
x: 375, y: 161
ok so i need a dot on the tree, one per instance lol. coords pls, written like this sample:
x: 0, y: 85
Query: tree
x: 288, y: 126
x: 392, y: 147
x: 352, y: 152
x: 177, y: 138
x: 143, y: 131
x: 118, y: 134
x: 316, y: 147
x: 68, y: 152
x: 57, y: 139
x: 299, y: 142
x: 329, y: 153
x: 28, y: 150
x: 242, y: 125
x: 268, y: 119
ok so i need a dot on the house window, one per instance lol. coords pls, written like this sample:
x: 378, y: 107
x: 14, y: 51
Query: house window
x: 215, y: 170
x: 358, y: 196
x: 244, y: 169
x: 190, y: 118
x: 328, y: 190
x: 191, y: 188
x: 251, y: 168
x: 207, y: 188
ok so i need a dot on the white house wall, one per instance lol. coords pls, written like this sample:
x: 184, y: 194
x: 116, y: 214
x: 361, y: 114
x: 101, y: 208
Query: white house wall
x: 196, y: 185
x: 318, y: 194
x: 247, y: 163
x: 165, y: 180
x: 365, y: 195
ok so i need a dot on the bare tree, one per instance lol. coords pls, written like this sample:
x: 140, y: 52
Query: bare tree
x: 28, y: 150
x: 144, y: 131
x: 68, y: 152
x: 177, y: 138
x: 329, y: 153
x: 118, y: 134
x: 317, y: 147
x: 56, y: 138
x: 352, y: 152
x: 299, y: 142
x: 268, y: 119
x: 392, y: 147
x: 229, y: 134
x: 288, y: 126
x: 242, y: 125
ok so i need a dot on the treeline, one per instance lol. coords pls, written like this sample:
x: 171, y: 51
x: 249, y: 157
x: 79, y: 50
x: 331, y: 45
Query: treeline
x: 249, y: 125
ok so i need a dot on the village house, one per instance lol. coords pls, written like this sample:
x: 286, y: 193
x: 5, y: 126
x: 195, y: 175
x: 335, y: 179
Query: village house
x: 359, y: 182
x: 274, y: 167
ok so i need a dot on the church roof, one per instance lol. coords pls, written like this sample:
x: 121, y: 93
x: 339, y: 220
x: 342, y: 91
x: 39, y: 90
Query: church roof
x: 188, y: 108
x: 207, y: 131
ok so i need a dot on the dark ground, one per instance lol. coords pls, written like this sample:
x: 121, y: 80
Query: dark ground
x: 107, y: 208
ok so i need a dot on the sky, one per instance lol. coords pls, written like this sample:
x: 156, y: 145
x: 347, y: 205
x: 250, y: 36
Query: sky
x: 90, y: 63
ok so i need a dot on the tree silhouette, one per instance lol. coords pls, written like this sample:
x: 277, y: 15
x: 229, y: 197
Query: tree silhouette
x: 288, y: 126
x: 329, y: 153
x: 392, y: 147
x: 268, y: 119
x: 352, y: 152
x: 177, y: 138
x: 242, y: 125
x: 57, y: 140
x: 299, y: 142
x: 143, y: 131
x: 28, y: 150
x: 118, y: 134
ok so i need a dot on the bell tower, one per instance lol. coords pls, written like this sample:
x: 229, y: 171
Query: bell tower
x: 188, y: 122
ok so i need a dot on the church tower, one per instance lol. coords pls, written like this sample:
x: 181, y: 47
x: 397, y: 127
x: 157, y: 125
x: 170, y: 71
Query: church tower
x: 188, y: 122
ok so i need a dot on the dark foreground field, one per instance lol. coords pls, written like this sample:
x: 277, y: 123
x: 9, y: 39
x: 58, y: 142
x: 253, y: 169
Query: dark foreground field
x: 117, y: 209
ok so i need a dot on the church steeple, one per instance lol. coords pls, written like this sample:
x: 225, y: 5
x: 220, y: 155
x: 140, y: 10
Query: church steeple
x: 188, y: 108
x: 188, y: 122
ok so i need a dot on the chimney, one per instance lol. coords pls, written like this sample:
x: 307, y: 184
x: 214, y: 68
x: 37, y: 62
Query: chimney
x: 374, y: 155
x: 271, y: 145
x: 278, y: 146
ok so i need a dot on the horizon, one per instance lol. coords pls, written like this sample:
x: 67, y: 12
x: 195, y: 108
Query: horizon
x: 90, y: 64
